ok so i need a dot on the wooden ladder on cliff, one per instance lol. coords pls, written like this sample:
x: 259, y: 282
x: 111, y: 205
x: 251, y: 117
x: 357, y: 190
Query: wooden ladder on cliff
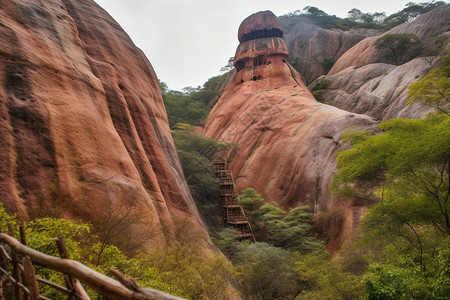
x: 233, y: 213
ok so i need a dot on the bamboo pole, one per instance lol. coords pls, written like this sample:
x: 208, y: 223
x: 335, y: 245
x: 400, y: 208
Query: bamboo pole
x: 30, y: 278
x: 24, y: 288
x: 3, y: 266
x: 71, y: 283
x: 16, y: 269
x: 23, y: 237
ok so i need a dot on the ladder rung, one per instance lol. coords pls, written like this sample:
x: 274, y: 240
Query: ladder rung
x: 234, y: 215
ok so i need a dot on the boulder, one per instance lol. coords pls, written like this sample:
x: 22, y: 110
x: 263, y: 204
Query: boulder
x: 378, y: 90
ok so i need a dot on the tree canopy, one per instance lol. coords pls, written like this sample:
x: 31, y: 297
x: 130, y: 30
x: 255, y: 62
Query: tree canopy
x: 411, y: 11
x: 407, y: 168
x: 358, y: 18
x: 190, y: 105
x: 434, y: 89
x: 397, y: 43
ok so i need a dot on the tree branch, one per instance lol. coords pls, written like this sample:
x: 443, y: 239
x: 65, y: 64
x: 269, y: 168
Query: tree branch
x: 99, y: 282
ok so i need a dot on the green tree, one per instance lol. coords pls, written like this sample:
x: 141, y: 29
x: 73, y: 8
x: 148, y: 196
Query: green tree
x: 196, y: 154
x: 250, y: 199
x: 185, y: 268
x: 287, y: 230
x: 411, y: 160
x: 311, y: 10
x: 397, y: 43
x: 190, y: 105
x: 379, y: 17
x: 322, y: 278
x: 354, y: 14
x: 410, y: 12
x: 434, y: 89
x: 228, y: 241
x: 407, y: 167
x: 266, y: 272
x: 228, y: 67
x: 181, y: 108
x: 358, y: 16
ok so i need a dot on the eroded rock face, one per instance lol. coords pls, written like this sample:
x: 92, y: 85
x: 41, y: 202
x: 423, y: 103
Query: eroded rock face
x: 83, y: 129
x: 314, y: 50
x: 431, y: 24
x: 362, y: 82
x: 285, y: 139
x: 378, y: 90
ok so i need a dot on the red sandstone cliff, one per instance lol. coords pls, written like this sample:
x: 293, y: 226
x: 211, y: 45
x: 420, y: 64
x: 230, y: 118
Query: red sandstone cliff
x: 285, y: 139
x: 83, y: 128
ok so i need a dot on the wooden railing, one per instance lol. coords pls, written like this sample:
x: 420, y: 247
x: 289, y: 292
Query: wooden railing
x: 233, y: 213
x: 18, y: 280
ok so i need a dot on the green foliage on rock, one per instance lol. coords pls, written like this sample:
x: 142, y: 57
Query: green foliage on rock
x: 356, y: 18
x: 319, y: 89
x: 434, y: 89
x: 317, y: 16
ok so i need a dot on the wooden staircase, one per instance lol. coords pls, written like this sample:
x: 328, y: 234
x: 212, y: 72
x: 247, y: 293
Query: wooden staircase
x: 233, y: 213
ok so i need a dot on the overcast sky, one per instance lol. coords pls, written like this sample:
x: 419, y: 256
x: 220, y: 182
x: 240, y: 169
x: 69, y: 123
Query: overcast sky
x: 188, y: 41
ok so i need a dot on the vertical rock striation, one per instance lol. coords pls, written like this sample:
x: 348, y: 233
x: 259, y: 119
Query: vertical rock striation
x: 314, y: 49
x: 83, y: 128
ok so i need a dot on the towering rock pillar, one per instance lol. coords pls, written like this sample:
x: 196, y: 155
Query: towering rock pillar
x: 262, y: 52
x: 285, y: 139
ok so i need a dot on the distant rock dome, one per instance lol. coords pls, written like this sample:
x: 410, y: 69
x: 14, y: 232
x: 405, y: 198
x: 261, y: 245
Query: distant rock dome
x: 260, y: 25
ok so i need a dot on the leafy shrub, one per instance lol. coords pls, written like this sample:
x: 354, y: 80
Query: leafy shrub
x: 319, y: 89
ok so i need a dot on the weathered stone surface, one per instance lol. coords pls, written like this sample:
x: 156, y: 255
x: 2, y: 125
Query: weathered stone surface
x: 285, y: 139
x: 259, y: 25
x: 433, y: 23
x: 378, y: 90
x: 362, y: 82
x: 83, y: 129
x: 314, y: 50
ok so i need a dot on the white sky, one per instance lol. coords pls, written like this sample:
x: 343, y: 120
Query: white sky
x: 188, y: 41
